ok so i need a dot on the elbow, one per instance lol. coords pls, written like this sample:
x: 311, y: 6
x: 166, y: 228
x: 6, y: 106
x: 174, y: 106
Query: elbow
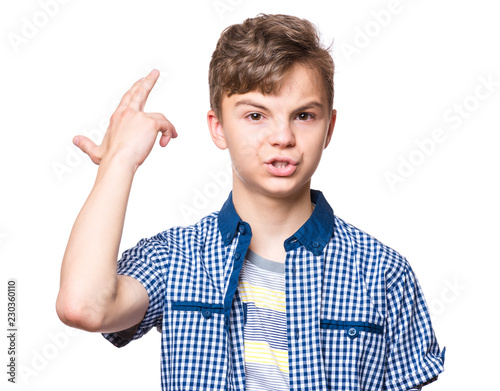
x: 78, y: 315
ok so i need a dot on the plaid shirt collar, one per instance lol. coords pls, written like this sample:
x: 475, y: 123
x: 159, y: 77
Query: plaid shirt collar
x: 314, y: 235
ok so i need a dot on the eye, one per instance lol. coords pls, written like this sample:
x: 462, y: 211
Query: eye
x: 305, y: 116
x: 255, y: 116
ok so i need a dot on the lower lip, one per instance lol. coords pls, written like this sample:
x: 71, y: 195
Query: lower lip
x: 288, y: 170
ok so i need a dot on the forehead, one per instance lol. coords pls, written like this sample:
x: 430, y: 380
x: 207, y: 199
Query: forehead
x: 301, y: 83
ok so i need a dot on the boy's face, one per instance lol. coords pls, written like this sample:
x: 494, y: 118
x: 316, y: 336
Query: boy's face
x: 276, y: 140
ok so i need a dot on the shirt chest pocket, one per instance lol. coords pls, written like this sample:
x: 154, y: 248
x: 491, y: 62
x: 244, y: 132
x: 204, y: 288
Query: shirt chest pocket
x: 196, y: 345
x: 189, y: 321
x: 353, y: 350
x: 352, y: 329
x: 206, y: 309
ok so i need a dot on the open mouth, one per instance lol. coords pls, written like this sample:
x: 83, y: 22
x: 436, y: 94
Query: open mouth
x: 281, y: 168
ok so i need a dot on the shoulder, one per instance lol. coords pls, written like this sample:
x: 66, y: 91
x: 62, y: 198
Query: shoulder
x: 187, y: 235
x: 175, y: 239
x: 371, y: 255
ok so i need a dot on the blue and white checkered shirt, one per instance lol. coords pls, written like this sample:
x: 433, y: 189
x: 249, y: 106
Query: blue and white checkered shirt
x: 356, y: 316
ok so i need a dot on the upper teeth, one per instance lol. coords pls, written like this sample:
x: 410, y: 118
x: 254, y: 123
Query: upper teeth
x: 280, y: 164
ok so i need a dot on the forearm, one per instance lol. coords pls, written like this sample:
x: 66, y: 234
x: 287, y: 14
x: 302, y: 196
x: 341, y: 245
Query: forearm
x: 88, y: 273
x: 91, y: 295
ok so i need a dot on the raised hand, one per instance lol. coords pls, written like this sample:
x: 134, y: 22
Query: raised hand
x: 132, y: 132
x: 92, y: 296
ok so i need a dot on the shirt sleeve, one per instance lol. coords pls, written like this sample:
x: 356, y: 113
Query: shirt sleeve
x: 413, y: 355
x: 144, y: 262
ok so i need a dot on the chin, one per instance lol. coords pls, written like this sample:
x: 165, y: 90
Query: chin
x: 284, y: 190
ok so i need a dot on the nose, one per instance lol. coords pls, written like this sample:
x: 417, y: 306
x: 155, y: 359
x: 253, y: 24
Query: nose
x: 281, y: 135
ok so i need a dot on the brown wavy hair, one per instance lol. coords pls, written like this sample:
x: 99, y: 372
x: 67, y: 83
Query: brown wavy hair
x: 257, y: 54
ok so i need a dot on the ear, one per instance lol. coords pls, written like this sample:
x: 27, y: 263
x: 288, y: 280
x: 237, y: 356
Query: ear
x: 331, y: 125
x: 216, y: 131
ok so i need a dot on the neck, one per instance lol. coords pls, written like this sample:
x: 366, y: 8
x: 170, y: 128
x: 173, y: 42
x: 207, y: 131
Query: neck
x: 273, y: 219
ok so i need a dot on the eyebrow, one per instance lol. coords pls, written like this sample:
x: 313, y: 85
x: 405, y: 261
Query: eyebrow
x: 310, y: 105
x: 247, y: 102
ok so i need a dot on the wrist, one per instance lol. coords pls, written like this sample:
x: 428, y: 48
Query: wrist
x: 116, y: 168
x: 120, y: 161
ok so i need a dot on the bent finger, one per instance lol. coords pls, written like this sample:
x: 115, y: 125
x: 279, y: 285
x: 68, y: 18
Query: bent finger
x: 164, y: 123
x: 165, y: 127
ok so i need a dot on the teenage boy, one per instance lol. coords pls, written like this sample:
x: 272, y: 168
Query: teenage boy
x: 273, y: 292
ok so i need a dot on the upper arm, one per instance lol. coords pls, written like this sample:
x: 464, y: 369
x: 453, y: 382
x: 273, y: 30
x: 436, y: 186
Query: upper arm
x: 414, y: 356
x: 129, y: 306
x: 140, y: 292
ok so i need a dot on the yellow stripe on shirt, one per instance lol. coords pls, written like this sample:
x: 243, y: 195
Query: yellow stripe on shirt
x: 262, y: 353
x: 262, y: 297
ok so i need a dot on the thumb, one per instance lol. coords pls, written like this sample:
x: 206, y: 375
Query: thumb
x: 87, y: 146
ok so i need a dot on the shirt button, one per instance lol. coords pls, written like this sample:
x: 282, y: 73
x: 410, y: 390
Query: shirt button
x: 206, y: 313
x: 237, y: 255
x: 315, y: 244
x: 228, y: 236
x: 352, y: 332
x: 297, y: 334
x: 241, y: 229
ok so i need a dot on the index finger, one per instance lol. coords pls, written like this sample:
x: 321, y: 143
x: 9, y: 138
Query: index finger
x: 141, y: 93
x: 127, y: 97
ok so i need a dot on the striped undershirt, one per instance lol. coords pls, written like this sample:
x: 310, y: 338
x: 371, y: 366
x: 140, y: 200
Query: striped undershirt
x: 262, y: 289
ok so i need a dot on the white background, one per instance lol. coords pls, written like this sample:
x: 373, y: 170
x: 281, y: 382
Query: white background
x: 403, y: 69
